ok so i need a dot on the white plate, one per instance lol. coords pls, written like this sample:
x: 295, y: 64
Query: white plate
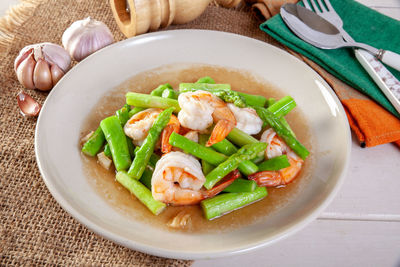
x: 67, y: 106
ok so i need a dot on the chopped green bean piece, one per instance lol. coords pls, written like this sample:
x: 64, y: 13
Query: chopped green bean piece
x: 241, y: 185
x: 135, y: 110
x: 225, y: 203
x: 149, y: 101
x: 107, y: 151
x: 206, y: 79
x: 241, y: 138
x: 146, y: 149
x: 116, y: 139
x: 247, y: 152
x: 94, y: 144
x: 274, y: 164
x: 253, y: 100
x: 141, y: 192
x: 160, y: 89
x: 205, y: 166
x: 283, y: 132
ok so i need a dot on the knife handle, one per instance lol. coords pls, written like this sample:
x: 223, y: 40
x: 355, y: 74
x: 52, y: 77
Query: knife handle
x: 385, y: 80
x: 392, y: 59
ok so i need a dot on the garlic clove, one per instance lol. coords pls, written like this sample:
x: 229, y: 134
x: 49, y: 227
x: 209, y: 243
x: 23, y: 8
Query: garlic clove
x: 28, y: 105
x: 55, y: 54
x: 42, y: 76
x: 25, y: 72
x: 56, y: 74
x: 25, y: 52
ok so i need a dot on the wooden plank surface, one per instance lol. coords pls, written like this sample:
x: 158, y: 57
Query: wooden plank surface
x: 326, y: 244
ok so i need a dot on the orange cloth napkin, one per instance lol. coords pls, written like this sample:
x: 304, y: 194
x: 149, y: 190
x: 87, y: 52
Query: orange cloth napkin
x: 371, y: 123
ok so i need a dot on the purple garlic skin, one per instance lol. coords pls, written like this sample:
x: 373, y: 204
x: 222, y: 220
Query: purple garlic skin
x: 41, y: 66
x: 85, y: 37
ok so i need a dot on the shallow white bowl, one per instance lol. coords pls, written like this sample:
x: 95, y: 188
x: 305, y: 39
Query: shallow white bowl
x: 67, y: 106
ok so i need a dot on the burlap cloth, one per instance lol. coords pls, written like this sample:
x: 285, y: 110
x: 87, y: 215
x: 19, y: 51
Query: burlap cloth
x: 34, y: 229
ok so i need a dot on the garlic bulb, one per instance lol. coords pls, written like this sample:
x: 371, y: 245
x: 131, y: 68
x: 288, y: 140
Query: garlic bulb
x: 85, y: 37
x: 41, y: 66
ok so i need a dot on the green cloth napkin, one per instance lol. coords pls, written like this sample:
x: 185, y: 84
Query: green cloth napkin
x: 364, y: 25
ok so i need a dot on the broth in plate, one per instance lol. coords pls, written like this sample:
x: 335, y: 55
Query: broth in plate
x: 104, y: 182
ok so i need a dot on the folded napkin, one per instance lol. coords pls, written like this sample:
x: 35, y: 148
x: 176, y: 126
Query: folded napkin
x: 372, y: 124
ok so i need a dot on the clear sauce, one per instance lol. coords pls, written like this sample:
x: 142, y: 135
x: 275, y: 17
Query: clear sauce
x: 104, y: 182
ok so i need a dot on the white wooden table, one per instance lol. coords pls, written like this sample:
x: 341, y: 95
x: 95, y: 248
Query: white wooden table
x: 361, y: 227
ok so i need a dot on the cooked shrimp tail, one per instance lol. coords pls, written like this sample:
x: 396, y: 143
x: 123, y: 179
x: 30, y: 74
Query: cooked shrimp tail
x: 172, y: 126
x: 221, y: 130
x: 281, y: 177
x: 266, y: 178
x: 225, y: 182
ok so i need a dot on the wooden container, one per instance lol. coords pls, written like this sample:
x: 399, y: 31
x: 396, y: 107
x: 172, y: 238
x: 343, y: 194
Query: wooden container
x: 135, y: 17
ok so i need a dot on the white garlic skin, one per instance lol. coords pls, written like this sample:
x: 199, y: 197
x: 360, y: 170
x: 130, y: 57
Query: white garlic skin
x: 40, y: 66
x: 85, y: 37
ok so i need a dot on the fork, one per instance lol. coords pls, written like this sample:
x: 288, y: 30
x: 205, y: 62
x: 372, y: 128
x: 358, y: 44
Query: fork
x: 389, y: 84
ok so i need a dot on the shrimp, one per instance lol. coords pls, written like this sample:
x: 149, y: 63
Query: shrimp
x: 138, y: 126
x: 172, y: 126
x: 247, y: 119
x: 178, y: 180
x: 200, y: 109
x: 277, y: 147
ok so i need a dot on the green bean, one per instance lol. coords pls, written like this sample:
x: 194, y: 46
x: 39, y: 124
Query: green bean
x: 277, y: 107
x: 241, y: 138
x: 253, y: 100
x: 116, y: 139
x: 205, y: 166
x: 259, y: 158
x: 135, y: 110
x: 241, y: 185
x: 153, y: 158
x: 149, y: 101
x: 146, y: 150
x: 225, y: 203
x: 196, y: 149
x: 283, y: 106
x: 107, y: 151
x: 283, y: 132
x: 146, y: 177
x: 160, y: 89
x: 206, y: 79
x: 170, y: 93
x: 274, y: 164
x: 189, y: 87
x: 270, y: 102
x: 247, y: 152
x: 96, y: 141
x: 131, y: 147
x: 123, y: 114
x: 94, y: 144
x: 141, y: 192
x: 227, y: 148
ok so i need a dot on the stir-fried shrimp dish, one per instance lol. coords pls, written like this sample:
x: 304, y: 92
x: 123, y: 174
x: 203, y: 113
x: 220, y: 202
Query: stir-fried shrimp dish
x: 200, y: 144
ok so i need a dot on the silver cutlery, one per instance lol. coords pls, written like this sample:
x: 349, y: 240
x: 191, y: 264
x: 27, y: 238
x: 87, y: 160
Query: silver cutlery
x: 321, y: 33
x: 318, y: 29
